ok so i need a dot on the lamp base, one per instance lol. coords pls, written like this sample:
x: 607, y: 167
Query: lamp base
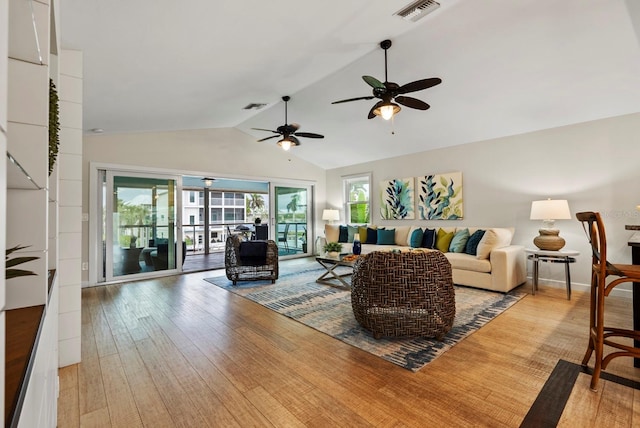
x: 549, y: 240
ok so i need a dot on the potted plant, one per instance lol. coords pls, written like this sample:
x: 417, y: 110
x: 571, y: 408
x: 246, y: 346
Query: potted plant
x: 333, y: 249
x: 10, y: 271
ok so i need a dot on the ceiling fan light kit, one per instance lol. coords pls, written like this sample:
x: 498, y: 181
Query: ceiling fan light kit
x: 388, y: 92
x: 289, y: 132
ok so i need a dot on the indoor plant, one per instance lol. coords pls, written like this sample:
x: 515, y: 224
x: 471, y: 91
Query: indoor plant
x: 10, y: 272
x: 333, y: 248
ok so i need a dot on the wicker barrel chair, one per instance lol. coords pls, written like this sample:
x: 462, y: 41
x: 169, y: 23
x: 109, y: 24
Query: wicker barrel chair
x: 404, y: 294
x: 250, y: 260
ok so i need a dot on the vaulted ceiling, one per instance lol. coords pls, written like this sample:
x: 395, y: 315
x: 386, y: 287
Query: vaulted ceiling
x: 508, y: 67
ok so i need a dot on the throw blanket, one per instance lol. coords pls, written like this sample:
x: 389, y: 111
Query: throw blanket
x: 253, y: 253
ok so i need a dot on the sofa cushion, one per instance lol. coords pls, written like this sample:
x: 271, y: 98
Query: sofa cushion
x: 362, y: 231
x: 493, y: 238
x: 351, y: 232
x: 415, y: 237
x: 466, y: 262
x: 459, y: 241
x: 344, y: 235
x: 473, y: 241
x: 402, y: 235
x: 372, y: 236
x: 429, y: 238
x: 386, y: 237
x: 443, y: 240
x: 331, y: 232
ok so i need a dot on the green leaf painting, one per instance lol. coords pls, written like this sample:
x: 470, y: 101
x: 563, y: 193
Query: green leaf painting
x: 440, y: 196
x: 396, y: 199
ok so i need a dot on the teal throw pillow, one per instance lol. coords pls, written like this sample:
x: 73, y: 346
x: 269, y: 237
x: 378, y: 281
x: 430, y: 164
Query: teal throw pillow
x: 386, y: 237
x: 473, y: 241
x: 459, y: 241
x: 415, y: 240
x: 351, y: 231
x: 344, y: 234
x: 429, y: 238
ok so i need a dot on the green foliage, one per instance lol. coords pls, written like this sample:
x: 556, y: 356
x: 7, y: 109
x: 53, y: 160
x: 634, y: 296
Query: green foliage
x: 54, y: 125
x: 14, y: 273
x: 332, y: 246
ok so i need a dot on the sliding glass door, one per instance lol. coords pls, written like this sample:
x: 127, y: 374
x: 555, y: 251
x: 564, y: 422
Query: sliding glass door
x: 139, y: 227
x: 291, y: 217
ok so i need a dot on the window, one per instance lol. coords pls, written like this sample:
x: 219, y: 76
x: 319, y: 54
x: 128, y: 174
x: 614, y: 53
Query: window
x: 192, y: 197
x: 356, y: 197
x: 192, y: 219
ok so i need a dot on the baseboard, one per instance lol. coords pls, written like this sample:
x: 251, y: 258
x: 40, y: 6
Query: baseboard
x: 620, y: 291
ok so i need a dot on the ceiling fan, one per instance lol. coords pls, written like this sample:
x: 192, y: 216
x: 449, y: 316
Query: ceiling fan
x: 390, y: 91
x: 288, y: 131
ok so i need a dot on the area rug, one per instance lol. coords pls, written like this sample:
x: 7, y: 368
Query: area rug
x: 328, y: 309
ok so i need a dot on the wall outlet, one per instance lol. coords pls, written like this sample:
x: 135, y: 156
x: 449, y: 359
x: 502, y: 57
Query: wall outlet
x: 85, y: 265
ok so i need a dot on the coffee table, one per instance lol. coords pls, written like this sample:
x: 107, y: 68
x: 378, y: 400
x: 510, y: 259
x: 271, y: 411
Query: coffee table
x: 331, y: 277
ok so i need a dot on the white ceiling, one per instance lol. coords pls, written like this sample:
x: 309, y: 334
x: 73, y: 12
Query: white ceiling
x: 508, y: 67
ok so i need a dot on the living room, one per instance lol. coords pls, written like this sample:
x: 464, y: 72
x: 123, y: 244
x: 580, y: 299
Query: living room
x: 506, y: 162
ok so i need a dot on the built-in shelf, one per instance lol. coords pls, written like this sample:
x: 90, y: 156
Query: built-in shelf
x: 17, y: 177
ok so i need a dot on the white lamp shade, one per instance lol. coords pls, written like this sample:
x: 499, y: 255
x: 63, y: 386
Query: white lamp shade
x: 550, y: 209
x: 330, y: 215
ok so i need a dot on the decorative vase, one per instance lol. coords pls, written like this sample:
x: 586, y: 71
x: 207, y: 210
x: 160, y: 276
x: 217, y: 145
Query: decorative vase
x: 357, y: 247
x: 549, y: 240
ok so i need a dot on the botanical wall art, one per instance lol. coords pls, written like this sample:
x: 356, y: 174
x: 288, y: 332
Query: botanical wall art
x: 396, y: 199
x: 440, y: 196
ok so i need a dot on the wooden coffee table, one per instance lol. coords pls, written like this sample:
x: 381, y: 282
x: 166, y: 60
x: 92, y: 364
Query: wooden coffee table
x: 331, y: 277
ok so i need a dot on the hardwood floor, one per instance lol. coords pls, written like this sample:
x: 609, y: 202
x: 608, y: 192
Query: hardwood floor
x: 179, y: 351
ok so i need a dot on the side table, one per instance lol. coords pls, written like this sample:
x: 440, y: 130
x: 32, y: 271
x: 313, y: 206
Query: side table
x: 562, y: 256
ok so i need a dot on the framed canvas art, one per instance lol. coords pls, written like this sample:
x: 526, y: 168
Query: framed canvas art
x: 440, y: 196
x: 396, y: 199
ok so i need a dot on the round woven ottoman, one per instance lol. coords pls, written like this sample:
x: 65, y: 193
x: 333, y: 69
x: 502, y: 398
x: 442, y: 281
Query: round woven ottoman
x: 398, y: 294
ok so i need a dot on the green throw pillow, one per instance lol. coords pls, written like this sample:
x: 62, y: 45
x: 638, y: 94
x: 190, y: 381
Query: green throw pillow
x: 415, y: 240
x: 351, y: 231
x: 459, y: 241
x: 362, y: 231
x: 472, y: 243
x: 443, y: 240
x: 386, y: 237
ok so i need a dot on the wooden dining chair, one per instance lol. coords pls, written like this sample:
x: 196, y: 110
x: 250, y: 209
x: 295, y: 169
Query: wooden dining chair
x: 601, y: 286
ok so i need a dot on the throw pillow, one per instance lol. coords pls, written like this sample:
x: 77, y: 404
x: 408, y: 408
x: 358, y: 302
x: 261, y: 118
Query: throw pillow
x: 386, y: 237
x: 362, y: 231
x: 415, y: 240
x: 443, y: 240
x: 429, y: 238
x: 459, y: 241
x: 372, y: 236
x: 493, y: 238
x: 344, y: 235
x: 351, y: 231
x: 472, y: 243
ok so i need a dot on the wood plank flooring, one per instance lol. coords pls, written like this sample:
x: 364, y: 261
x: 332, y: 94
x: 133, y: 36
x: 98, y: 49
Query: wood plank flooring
x: 181, y: 352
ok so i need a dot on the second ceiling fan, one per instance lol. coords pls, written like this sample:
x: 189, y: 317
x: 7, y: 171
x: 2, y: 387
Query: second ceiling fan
x: 388, y: 92
x: 289, y: 131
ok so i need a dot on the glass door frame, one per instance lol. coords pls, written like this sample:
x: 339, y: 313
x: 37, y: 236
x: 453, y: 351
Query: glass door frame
x: 309, y: 210
x: 106, y: 228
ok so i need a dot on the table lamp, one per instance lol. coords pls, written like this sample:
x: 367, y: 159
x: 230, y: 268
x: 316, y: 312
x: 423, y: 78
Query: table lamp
x: 330, y: 215
x: 549, y: 211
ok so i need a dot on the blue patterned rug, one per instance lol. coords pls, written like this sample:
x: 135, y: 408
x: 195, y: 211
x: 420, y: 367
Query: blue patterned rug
x: 328, y: 309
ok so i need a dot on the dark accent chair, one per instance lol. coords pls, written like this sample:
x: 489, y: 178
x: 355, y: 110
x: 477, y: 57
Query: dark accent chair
x: 403, y: 294
x: 599, y: 333
x: 250, y: 260
x: 160, y: 257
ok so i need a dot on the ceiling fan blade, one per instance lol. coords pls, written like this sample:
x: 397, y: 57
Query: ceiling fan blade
x: 294, y: 127
x: 268, y: 130
x: 373, y: 82
x: 371, y: 114
x: 308, y: 135
x: 370, y: 97
x: 419, y: 85
x: 412, y: 102
x: 267, y: 138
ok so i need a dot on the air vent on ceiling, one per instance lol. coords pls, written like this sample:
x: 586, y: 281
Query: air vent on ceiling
x: 417, y: 10
x: 254, y: 106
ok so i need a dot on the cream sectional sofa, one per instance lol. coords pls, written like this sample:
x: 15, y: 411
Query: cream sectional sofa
x: 497, y: 265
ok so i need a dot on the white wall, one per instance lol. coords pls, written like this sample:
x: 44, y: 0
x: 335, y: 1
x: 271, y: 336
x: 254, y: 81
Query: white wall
x: 208, y: 152
x: 593, y: 165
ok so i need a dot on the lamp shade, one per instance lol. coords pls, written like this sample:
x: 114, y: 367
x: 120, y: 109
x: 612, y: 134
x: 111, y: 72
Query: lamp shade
x: 550, y: 209
x: 330, y: 215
